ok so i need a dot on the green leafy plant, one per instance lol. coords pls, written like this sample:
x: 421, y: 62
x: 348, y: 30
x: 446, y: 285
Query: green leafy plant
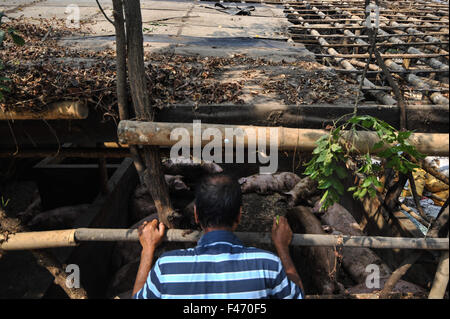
x: 333, y: 150
x: 18, y: 40
x: 4, y: 202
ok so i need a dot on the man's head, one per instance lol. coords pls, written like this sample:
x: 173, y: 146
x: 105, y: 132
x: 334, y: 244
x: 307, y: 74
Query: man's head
x: 218, y: 201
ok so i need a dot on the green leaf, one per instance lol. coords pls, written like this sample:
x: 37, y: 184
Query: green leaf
x: 335, y: 147
x: 317, y: 150
x: 337, y: 185
x: 309, y: 170
x: 328, y: 158
x: 404, y: 135
x: 341, y: 172
x: 336, y: 132
x: 324, y: 184
x: 372, y: 192
x: 327, y: 170
x: 314, y: 175
x: 376, y: 183
x: 321, y: 157
x: 367, y: 182
x: 324, y: 197
x: 362, y: 193
x: 368, y: 123
x: 16, y: 38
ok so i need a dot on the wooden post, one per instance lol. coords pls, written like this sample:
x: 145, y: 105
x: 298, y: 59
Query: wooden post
x: 121, y: 60
x: 141, y: 100
x: 121, y: 86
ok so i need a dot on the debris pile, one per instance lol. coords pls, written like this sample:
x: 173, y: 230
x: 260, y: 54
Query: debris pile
x: 42, y: 72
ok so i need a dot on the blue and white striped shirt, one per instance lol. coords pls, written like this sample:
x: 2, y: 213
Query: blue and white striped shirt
x: 219, y: 267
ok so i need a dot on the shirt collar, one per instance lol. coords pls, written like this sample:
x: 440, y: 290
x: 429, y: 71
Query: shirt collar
x: 219, y: 236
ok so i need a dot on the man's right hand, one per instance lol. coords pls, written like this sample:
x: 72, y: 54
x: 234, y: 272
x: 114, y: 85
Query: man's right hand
x: 150, y: 235
x: 281, y: 233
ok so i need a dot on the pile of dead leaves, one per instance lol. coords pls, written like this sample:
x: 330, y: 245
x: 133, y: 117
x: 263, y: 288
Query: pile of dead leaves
x: 319, y: 86
x: 43, y: 72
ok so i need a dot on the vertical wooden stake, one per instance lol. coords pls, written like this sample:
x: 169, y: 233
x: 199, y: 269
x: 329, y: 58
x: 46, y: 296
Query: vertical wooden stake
x: 441, y: 278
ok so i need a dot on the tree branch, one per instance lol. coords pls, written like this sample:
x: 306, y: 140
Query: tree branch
x: 104, y: 13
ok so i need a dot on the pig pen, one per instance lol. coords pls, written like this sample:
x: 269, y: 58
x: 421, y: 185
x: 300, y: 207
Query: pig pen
x: 108, y: 269
x: 324, y: 270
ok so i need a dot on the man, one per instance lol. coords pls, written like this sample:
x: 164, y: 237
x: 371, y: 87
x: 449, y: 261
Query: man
x: 219, y: 266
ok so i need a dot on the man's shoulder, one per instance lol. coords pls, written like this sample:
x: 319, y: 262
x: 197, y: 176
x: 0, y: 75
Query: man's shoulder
x: 261, y: 253
x: 178, y: 253
x: 252, y: 252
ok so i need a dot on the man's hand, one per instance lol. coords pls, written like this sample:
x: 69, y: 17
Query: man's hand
x: 281, y: 233
x: 282, y: 237
x: 150, y: 235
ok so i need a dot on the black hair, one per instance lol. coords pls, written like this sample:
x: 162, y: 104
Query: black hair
x: 218, y: 199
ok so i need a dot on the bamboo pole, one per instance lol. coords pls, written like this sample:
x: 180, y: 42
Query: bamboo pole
x: 158, y: 133
x: 64, y: 110
x: 366, y: 37
x: 381, y: 96
x: 436, y: 98
x: 38, y: 240
x: 71, y: 237
x: 434, y: 63
x: 384, y: 56
x: 441, y: 278
x: 397, y: 26
x: 384, y: 44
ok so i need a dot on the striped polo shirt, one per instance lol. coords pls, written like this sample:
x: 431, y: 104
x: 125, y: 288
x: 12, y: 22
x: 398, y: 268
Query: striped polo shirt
x: 218, y: 267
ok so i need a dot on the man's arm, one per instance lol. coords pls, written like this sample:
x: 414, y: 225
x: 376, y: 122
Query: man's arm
x: 281, y: 237
x: 150, y: 236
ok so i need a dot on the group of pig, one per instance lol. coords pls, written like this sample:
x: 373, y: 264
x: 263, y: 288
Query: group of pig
x: 301, y: 195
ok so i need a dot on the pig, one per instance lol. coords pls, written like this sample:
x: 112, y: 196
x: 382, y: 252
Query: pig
x: 303, y: 191
x: 190, y: 170
x: 141, y: 203
x: 269, y: 183
x: 58, y: 218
